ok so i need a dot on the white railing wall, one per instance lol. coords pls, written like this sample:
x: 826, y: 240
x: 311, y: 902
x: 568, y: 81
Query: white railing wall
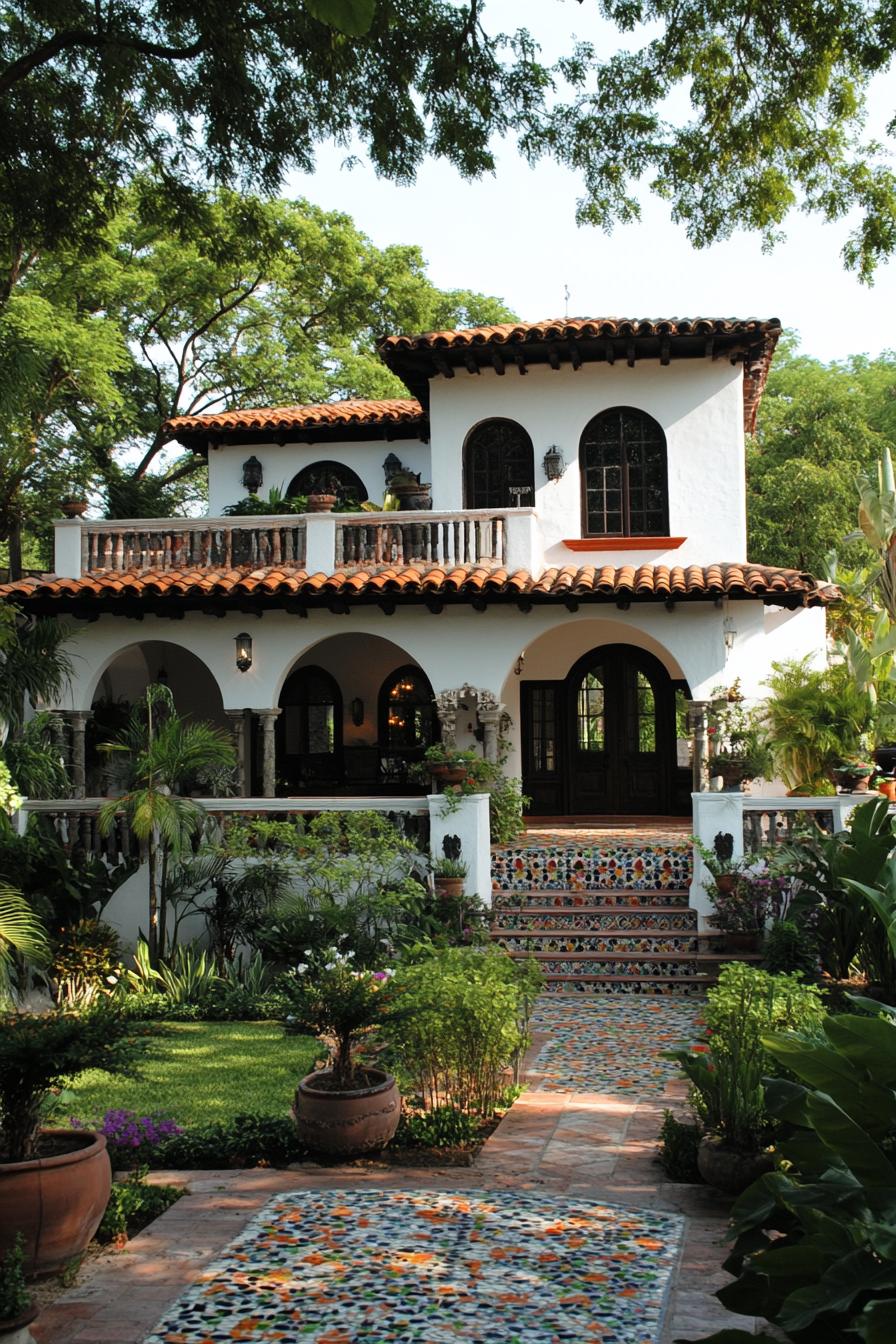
x: 755, y: 822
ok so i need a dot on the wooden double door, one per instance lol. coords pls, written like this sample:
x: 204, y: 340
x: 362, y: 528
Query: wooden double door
x: 604, y: 740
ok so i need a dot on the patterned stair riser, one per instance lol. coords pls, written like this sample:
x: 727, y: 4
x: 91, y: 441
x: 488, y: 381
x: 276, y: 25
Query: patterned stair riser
x: 641, y: 970
x: 539, y: 899
x: 595, y: 921
x: 597, y: 943
x: 591, y: 868
x: 682, y: 987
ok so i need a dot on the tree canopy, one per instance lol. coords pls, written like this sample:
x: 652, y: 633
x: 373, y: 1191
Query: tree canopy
x: 734, y: 113
x: 264, y: 302
x: 819, y: 427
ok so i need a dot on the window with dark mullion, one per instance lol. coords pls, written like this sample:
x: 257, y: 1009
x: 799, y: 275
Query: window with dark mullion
x: 624, y: 475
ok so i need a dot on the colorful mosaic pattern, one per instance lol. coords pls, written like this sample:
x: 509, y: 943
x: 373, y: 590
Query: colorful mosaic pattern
x: 610, y: 1044
x: 598, y: 942
x: 612, y: 919
x: 681, y: 986
x: 605, y: 866
x: 336, y: 1267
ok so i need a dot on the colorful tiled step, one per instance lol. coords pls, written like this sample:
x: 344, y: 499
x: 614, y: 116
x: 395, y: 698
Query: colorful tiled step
x: 599, y: 866
x: 639, y: 940
x: 693, y: 986
x: 595, y: 919
x: 625, y: 897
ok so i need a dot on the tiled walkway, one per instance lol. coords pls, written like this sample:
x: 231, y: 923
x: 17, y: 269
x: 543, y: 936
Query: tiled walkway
x: 579, y: 1141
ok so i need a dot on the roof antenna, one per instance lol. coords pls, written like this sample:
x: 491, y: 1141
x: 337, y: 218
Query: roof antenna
x: 566, y: 299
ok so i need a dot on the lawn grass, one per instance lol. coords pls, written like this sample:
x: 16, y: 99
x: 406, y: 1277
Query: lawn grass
x: 198, y: 1072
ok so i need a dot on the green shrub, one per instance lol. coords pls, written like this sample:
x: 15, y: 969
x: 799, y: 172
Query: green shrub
x: 14, y: 1295
x: 788, y: 947
x: 244, y: 1141
x: 506, y: 806
x: 133, y: 1205
x: 816, y: 1241
x: 444, y: 1127
x: 750, y: 1001
x: 677, y: 1152
x: 87, y: 961
x: 457, y: 1021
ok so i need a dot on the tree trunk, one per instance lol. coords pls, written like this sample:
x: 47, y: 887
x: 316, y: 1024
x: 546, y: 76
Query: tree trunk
x: 153, y: 932
x: 15, y: 549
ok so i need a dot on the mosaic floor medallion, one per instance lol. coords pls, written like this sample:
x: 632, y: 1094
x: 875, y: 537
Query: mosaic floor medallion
x: 425, y: 1267
x: 611, y: 1043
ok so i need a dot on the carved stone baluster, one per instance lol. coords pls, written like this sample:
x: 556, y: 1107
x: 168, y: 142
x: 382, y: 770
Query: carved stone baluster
x: 342, y: 538
x: 499, y: 540
x: 228, y: 547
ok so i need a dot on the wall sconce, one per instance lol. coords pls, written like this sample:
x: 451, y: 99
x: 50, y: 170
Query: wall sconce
x: 553, y: 463
x: 391, y: 465
x: 357, y: 708
x: 253, y: 475
x: 243, y: 652
x: 518, y: 665
x: 729, y: 634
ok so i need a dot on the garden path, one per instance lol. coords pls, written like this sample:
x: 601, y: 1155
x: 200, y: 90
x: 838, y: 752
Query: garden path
x: 580, y: 1141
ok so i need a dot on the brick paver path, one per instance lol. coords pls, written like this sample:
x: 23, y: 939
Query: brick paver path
x: 574, y: 1143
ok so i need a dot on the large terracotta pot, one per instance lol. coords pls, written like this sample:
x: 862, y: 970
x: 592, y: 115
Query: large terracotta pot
x: 726, y: 1168
x: 451, y: 887
x: 55, y: 1202
x: 449, y: 774
x: 888, y: 788
x: 321, y: 503
x: 346, y: 1123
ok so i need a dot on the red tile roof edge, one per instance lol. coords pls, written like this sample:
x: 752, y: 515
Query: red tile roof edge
x: 328, y: 414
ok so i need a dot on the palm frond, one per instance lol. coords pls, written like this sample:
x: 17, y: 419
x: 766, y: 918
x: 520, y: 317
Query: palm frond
x: 22, y: 932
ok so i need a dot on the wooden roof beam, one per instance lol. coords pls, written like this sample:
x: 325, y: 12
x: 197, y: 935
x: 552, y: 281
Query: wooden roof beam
x: 609, y: 352
x: 575, y: 356
x: 520, y: 361
x: 630, y: 352
x: 553, y: 358
x: 443, y: 366
x: 709, y: 347
x: 470, y: 362
x: 665, y: 350
x: 498, y: 362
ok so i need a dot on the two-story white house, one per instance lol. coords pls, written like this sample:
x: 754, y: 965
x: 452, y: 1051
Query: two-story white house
x: 580, y: 579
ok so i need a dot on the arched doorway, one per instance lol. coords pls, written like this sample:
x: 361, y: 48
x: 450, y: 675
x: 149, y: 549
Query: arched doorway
x: 499, y: 470
x: 330, y: 476
x: 604, y: 741
x: 309, y: 732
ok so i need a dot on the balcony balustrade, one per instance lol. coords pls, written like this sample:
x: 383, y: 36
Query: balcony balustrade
x: 321, y: 543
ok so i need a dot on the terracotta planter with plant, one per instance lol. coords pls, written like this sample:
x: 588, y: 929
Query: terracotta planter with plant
x: 449, y: 877
x: 349, y: 1107
x: 410, y: 491
x: 730, y: 1169
x: 73, y: 506
x: 888, y: 788
x: 322, y: 503
x: 54, y: 1184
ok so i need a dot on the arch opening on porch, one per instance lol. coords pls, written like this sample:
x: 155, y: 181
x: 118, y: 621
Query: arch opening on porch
x: 356, y: 713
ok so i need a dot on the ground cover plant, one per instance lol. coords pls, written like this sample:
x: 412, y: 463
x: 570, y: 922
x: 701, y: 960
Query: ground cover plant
x: 198, y: 1073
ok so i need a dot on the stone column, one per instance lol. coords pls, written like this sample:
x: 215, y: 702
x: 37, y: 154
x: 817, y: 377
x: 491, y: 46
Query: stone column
x: 59, y: 736
x: 237, y: 719
x: 78, y: 723
x: 697, y: 717
x: 448, y: 720
x: 491, y: 725
x: 268, y: 719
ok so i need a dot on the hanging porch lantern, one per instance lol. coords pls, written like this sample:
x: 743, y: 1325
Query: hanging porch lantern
x: 243, y: 652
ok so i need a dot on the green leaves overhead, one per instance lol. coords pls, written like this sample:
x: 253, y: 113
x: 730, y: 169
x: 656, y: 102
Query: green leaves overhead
x: 349, y: 16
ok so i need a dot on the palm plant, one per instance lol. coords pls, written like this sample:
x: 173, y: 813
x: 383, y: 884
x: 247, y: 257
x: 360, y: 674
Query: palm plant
x: 813, y: 719
x: 168, y: 754
x: 22, y: 933
x: 33, y: 666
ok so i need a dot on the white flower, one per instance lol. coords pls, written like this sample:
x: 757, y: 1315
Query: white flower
x: 302, y: 968
x: 111, y: 979
x: 330, y: 966
x: 308, y: 953
x: 348, y: 956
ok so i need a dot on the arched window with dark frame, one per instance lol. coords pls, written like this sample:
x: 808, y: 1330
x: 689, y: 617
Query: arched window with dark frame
x: 499, y: 466
x: 408, y: 722
x: 309, y: 730
x: 329, y: 478
x: 625, y: 490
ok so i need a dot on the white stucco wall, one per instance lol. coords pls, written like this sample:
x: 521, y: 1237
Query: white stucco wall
x: 281, y: 463
x: 699, y: 404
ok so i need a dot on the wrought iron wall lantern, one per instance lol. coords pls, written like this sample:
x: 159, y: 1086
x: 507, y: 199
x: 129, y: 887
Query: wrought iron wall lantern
x: 554, y: 464
x: 253, y: 475
x: 729, y: 634
x: 243, y: 652
x: 357, y: 708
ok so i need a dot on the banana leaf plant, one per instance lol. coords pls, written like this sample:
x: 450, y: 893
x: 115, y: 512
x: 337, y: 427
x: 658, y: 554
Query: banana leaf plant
x: 815, y: 1250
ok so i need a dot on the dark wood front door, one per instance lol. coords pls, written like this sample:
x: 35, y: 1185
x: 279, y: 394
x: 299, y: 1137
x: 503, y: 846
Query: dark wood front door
x: 603, y: 741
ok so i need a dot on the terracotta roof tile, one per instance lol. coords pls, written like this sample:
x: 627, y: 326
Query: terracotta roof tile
x: 580, y: 328
x: 391, y: 411
x: 111, y: 589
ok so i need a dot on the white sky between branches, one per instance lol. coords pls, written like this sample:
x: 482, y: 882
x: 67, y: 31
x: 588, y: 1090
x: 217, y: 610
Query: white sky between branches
x: 514, y: 234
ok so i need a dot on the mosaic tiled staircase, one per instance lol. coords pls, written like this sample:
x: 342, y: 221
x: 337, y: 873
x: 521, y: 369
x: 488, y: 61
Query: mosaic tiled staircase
x: 603, y: 913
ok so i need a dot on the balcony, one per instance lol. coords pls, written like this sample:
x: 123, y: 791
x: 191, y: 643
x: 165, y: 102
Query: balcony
x: 317, y: 542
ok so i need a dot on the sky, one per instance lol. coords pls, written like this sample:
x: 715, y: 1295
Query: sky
x: 514, y: 235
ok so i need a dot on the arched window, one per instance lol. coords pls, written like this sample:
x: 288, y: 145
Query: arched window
x: 499, y: 471
x: 312, y: 714
x: 624, y: 475
x: 407, y: 712
x: 329, y: 478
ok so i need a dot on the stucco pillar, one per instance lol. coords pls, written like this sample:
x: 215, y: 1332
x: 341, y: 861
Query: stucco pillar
x: 59, y: 737
x: 237, y: 719
x: 697, y: 716
x: 268, y: 718
x: 77, y: 719
x: 491, y: 726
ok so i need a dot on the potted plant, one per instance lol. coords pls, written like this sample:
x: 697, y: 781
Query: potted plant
x: 54, y: 1183
x: 727, y: 1096
x: 852, y: 776
x: 321, y: 501
x: 467, y: 771
x: 814, y: 718
x: 411, y: 493
x: 886, y: 784
x: 449, y: 876
x: 73, y: 506
x: 17, y: 1309
x: 737, y: 752
x: 347, y: 1107
x: 739, y: 894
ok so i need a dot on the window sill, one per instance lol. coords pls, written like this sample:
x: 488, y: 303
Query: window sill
x: 624, y: 543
